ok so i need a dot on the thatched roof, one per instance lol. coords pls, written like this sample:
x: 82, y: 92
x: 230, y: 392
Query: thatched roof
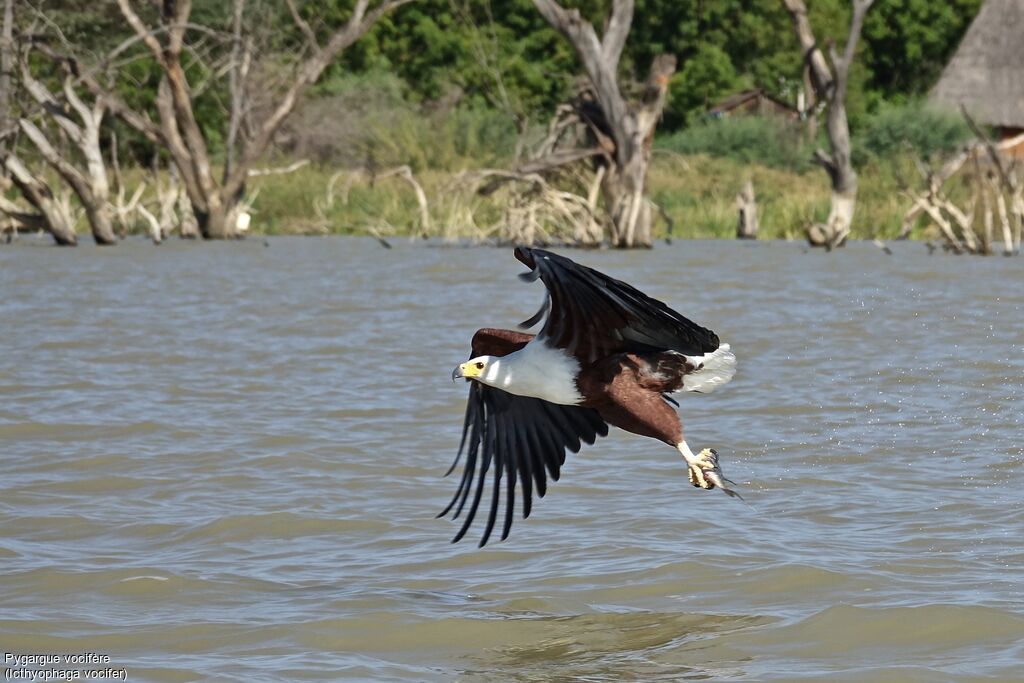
x: 987, y: 72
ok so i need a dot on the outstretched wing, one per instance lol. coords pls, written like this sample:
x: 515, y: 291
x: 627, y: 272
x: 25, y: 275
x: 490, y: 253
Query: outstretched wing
x: 592, y: 315
x: 515, y: 438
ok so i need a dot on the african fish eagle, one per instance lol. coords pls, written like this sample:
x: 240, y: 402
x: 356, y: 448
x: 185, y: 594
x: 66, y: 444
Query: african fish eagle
x: 607, y: 354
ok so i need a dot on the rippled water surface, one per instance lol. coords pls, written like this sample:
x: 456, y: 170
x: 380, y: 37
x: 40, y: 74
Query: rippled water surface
x: 224, y: 461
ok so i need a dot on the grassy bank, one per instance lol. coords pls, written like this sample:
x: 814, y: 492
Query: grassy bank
x: 698, y: 192
x: 695, y: 176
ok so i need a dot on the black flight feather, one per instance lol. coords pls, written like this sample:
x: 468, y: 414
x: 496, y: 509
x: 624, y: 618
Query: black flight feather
x: 591, y: 315
x: 518, y: 438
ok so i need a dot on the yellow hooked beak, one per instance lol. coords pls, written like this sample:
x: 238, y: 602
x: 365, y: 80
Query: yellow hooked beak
x: 467, y: 370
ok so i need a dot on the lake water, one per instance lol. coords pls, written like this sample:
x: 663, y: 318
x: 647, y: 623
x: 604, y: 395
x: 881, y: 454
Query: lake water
x: 223, y: 461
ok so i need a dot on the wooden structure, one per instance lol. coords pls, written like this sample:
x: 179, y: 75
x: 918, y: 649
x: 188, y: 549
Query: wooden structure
x: 986, y: 74
x: 754, y: 102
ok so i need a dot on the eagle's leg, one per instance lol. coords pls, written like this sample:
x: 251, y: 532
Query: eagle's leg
x: 704, y: 470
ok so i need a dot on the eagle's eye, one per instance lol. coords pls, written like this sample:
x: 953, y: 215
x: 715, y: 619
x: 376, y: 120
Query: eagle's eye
x: 479, y: 365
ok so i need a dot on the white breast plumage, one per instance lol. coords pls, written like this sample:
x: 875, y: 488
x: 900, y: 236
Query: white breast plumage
x: 537, y: 370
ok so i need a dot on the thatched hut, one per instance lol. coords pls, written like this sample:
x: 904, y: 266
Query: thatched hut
x: 986, y: 75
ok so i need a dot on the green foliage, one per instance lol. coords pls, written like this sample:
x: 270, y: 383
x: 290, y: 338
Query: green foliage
x: 722, y: 46
x: 698, y: 193
x: 501, y: 51
x: 367, y: 120
x: 748, y: 139
x: 703, y: 79
x: 916, y: 129
x: 911, y: 40
x: 466, y: 137
x: 498, y: 52
x: 502, y: 54
x: 442, y: 85
x: 890, y: 133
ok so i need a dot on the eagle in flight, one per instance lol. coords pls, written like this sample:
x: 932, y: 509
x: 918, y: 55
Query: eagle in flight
x: 606, y: 354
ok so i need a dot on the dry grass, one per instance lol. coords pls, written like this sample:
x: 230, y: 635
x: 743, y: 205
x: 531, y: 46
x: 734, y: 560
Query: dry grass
x: 698, y: 193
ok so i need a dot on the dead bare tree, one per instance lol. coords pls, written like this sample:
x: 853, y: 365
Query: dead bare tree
x: 50, y: 210
x: 6, y: 66
x: 216, y: 203
x: 623, y: 130
x: 550, y: 199
x: 1004, y: 180
x: 997, y: 194
x: 91, y: 187
x: 54, y: 213
x: 829, y: 85
x: 539, y: 211
x: 14, y: 171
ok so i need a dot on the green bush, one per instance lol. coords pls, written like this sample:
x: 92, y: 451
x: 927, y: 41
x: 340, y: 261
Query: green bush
x: 747, y: 139
x: 465, y: 137
x: 367, y: 120
x: 915, y: 128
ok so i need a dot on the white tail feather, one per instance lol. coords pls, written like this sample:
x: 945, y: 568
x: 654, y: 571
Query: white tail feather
x: 714, y: 370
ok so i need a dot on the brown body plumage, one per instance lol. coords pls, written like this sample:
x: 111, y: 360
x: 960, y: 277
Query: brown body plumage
x: 606, y: 355
x: 626, y: 389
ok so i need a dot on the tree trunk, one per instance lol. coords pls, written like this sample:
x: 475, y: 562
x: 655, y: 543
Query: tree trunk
x: 213, y: 222
x: 627, y: 206
x: 624, y: 131
x: 217, y: 205
x: 188, y: 224
x: 746, y: 205
x: 831, y: 88
x: 844, y: 181
x: 836, y: 229
x: 99, y: 217
x: 6, y: 68
x: 57, y: 219
x: 92, y: 188
x: 92, y: 198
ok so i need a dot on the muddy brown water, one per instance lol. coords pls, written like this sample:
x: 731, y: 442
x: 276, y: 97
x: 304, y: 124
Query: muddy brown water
x: 223, y: 462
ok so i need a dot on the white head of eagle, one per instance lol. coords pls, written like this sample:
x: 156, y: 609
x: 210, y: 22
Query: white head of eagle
x: 536, y: 370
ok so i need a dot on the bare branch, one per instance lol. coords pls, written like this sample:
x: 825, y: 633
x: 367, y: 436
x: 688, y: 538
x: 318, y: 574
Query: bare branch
x: 290, y: 168
x: 542, y: 165
x: 860, y: 8
x: 57, y: 218
x: 174, y: 15
x: 69, y: 173
x: 359, y: 23
x: 237, y: 72
x: 825, y: 161
x: 85, y: 113
x: 113, y: 103
x: 49, y: 103
x: 599, y: 69
x: 144, y: 34
x: 821, y: 75
x: 6, y: 66
x: 405, y: 173
x: 618, y: 30
x: 993, y: 153
x: 303, y: 26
